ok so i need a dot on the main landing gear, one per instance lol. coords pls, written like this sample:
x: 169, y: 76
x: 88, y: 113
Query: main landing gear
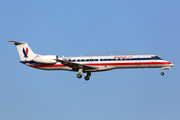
x: 87, y: 77
x: 79, y: 75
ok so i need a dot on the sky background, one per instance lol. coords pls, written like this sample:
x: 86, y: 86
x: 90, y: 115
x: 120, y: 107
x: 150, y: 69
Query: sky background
x: 90, y: 27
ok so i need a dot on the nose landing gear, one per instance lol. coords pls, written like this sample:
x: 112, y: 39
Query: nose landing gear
x: 162, y: 73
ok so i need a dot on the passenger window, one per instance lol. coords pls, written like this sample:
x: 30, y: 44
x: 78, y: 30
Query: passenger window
x: 101, y: 59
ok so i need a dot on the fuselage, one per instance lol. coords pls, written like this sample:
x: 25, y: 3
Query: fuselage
x: 103, y: 63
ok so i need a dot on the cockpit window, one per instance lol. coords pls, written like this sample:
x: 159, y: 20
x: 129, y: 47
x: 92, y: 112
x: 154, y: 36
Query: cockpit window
x: 158, y: 58
x: 155, y: 58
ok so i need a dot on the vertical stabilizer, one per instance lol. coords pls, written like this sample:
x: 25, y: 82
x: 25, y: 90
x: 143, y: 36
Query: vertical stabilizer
x: 24, y: 50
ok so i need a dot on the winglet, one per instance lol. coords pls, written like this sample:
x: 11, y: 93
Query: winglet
x: 15, y: 43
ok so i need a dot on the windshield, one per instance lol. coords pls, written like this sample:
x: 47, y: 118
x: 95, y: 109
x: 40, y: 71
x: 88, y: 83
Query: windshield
x: 156, y: 58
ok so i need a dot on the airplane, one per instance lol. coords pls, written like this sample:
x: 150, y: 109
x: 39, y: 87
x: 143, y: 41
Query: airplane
x: 88, y: 64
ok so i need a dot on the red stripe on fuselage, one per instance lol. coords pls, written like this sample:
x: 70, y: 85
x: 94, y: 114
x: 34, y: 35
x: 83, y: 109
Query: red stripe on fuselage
x: 135, y: 63
x: 106, y: 64
x: 56, y: 65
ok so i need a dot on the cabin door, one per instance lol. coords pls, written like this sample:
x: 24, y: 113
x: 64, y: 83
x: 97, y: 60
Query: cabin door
x: 138, y: 61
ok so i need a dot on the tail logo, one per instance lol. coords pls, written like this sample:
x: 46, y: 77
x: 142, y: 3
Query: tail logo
x: 25, y: 52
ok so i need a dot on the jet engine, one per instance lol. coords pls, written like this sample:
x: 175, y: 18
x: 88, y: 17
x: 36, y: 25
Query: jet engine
x: 46, y: 59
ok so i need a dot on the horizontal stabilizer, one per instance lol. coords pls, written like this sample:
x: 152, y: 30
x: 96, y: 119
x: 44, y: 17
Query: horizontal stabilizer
x: 15, y: 43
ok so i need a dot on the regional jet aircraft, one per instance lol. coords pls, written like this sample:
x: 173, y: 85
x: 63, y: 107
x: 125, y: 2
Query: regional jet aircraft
x: 88, y: 64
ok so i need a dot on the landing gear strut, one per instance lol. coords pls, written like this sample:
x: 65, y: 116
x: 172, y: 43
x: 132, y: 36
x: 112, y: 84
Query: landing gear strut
x: 162, y: 73
x: 87, y: 77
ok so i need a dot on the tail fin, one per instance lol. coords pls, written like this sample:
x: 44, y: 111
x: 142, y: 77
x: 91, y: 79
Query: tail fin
x: 24, y: 50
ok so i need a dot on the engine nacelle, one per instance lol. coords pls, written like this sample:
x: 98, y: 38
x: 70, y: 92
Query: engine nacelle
x: 46, y: 59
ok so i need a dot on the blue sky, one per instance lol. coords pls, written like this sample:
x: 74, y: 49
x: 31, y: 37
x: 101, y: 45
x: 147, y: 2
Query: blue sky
x: 90, y: 27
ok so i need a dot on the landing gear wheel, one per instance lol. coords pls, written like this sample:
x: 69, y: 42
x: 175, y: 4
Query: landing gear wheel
x: 162, y: 73
x: 79, y: 76
x: 86, y: 78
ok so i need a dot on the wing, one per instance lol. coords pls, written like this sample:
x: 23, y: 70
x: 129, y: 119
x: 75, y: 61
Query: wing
x: 76, y: 65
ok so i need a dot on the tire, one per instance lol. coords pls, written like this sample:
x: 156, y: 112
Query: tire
x: 162, y: 73
x: 86, y: 78
x: 79, y: 76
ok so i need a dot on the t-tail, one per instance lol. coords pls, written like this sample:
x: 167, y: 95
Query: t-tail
x: 24, y: 51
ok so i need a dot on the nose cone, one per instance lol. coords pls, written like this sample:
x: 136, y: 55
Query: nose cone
x: 172, y: 65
